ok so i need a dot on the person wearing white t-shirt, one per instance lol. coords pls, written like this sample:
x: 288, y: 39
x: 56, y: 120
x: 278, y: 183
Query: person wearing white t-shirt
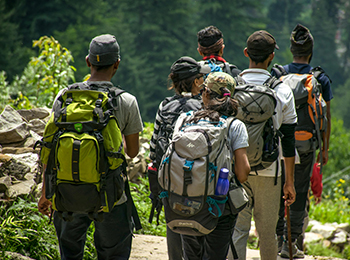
x: 264, y: 193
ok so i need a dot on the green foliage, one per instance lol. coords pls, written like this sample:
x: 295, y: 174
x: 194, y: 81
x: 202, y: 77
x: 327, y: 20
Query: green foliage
x: 319, y: 249
x: 147, y: 130
x: 339, y: 157
x: 341, y: 106
x: 140, y: 193
x: 4, y: 94
x: 43, y: 77
x: 334, y: 207
x: 23, y: 231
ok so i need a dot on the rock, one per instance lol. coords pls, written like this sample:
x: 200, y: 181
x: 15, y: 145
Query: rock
x: 34, y: 113
x: 23, y: 188
x: 326, y: 243
x: 340, y: 238
x: 327, y: 231
x: 13, y: 127
x: 30, y: 159
x: 311, y: 237
x: 19, y: 150
x: 37, y: 125
x: 5, y: 183
x: 14, y: 168
x: 343, y: 226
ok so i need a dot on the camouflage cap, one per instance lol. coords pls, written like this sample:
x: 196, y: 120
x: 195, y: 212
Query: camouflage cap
x: 218, y: 80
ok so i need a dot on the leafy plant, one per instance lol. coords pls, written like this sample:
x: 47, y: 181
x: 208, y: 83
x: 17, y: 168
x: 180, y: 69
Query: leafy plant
x: 140, y: 193
x: 43, y: 77
x: 334, y: 207
x: 24, y: 231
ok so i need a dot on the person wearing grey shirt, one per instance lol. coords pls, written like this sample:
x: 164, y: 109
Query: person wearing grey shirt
x: 113, y: 236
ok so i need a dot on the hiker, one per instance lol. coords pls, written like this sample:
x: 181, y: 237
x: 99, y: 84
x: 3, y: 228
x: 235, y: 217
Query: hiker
x: 217, y: 91
x: 186, y: 75
x: 263, y: 185
x: 301, y: 46
x: 112, y: 236
x: 211, y: 48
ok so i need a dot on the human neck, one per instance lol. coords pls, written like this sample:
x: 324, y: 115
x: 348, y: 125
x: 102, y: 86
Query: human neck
x: 105, y: 75
x: 301, y: 60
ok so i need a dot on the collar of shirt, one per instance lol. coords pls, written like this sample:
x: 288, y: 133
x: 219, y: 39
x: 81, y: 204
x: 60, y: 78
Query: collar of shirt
x: 256, y: 76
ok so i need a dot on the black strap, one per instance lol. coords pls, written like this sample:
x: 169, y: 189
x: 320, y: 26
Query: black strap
x: 75, y: 160
x: 272, y: 82
x: 132, y: 211
x: 233, y: 248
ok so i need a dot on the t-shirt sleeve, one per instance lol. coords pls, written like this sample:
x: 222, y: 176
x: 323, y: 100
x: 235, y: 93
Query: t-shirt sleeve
x: 128, y: 115
x: 238, y: 136
x: 326, y: 87
x: 286, y: 104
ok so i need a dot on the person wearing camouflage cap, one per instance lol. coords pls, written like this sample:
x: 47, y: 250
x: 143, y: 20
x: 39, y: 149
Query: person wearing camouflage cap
x: 113, y: 236
x: 217, y: 94
x: 301, y: 46
x: 264, y: 185
x: 186, y: 76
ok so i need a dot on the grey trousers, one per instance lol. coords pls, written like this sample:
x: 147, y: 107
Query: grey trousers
x: 263, y: 207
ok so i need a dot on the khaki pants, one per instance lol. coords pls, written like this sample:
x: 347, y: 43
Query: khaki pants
x: 263, y: 207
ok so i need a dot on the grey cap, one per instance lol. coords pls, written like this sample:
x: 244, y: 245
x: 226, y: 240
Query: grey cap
x: 104, y: 50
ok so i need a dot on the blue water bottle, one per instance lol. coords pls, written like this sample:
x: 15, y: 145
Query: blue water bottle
x: 223, y: 184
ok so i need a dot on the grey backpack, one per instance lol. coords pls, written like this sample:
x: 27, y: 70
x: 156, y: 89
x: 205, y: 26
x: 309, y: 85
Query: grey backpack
x: 257, y: 105
x: 189, y: 174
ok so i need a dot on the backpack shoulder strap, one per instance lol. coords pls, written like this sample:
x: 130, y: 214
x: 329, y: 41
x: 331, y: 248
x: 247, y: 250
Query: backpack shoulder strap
x: 239, y: 80
x: 115, y: 92
x: 272, y: 82
x: 169, y: 99
x: 279, y: 70
x: 318, y: 71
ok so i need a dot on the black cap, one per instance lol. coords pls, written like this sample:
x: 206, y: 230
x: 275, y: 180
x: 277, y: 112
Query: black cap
x: 261, y: 43
x: 104, y: 50
x: 301, y: 41
x: 186, y: 67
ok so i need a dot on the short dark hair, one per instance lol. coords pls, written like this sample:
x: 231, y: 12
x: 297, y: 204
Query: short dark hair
x: 209, y: 35
x: 184, y: 85
x: 258, y: 58
x: 101, y: 68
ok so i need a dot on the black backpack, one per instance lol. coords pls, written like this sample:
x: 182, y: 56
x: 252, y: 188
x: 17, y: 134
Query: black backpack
x: 171, y: 110
x: 172, y: 107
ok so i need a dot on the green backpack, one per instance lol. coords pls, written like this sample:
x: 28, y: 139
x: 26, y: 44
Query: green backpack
x: 82, y: 146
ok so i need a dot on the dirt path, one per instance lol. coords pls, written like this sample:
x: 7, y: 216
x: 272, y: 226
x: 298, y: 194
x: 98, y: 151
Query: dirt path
x: 147, y: 247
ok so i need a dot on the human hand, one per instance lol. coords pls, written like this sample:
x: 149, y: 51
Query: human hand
x: 44, y: 206
x: 289, y: 194
x: 317, y: 199
x: 324, y: 157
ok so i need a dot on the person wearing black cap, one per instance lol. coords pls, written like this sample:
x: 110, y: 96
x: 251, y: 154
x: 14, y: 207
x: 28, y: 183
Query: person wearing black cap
x: 301, y: 46
x: 261, y: 187
x: 211, y: 48
x: 186, y: 75
x: 113, y: 236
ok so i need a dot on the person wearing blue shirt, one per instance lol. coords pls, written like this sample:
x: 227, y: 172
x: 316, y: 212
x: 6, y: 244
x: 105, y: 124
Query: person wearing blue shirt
x: 302, y: 43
